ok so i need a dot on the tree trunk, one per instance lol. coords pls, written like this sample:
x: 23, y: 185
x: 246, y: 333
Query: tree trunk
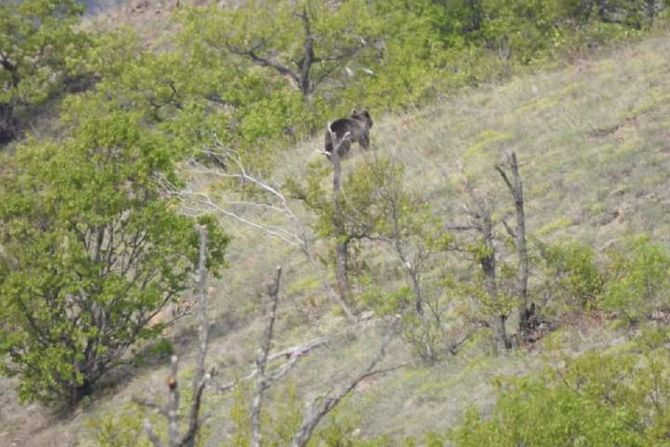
x: 341, y: 240
x: 521, y: 248
x: 8, y: 125
x: 516, y: 189
x: 488, y: 264
x: 418, y: 295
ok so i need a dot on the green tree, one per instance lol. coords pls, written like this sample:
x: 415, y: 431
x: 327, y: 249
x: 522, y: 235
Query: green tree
x: 90, y: 251
x: 40, y: 51
x: 307, y: 42
x: 283, y: 68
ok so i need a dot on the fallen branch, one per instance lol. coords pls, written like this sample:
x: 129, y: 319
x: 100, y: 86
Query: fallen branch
x: 171, y: 411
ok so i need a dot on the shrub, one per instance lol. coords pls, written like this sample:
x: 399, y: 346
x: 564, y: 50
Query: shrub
x: 595, y: 400
x: 638, y: 279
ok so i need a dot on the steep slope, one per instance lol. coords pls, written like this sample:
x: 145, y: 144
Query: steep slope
x: 594, y: 143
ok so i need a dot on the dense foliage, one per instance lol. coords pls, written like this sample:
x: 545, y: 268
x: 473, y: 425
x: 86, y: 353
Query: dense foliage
x: 41, y: 54
x: 91, y: 251
x: 596, y: 399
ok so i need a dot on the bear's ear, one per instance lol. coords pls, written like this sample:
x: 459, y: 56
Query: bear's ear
x: 354, y: 111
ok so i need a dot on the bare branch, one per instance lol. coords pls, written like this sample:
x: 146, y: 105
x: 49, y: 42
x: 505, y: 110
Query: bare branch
x: 173, y: 404
x: 503, y: 174
x: 151, y: 405
x: 155, y: 440
x: 456, y: 227
x: 261, y: 363
x: 509, y: 229
x: 194, y: 423
x: 200, y: 377
x: 293, y: 354
x: 310, y: 423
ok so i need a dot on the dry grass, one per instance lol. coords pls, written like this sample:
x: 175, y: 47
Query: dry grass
x: 594, y: 143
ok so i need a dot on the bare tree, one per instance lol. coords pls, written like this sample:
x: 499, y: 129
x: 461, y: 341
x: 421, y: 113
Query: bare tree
x: 295, y: 233
x: 341, y: 238
x: 200, y: 378
x: 480, y: 214
x: 265, y: 378
x: 261, y: 363
x: 515, y: 187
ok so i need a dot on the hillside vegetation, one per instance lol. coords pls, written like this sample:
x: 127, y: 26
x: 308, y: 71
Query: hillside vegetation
x: 99, y: 248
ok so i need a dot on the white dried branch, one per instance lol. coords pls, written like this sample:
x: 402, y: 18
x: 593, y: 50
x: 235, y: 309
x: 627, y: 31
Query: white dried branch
x: 151, y: 434
x: 317, y: 412
x: 293, y: 354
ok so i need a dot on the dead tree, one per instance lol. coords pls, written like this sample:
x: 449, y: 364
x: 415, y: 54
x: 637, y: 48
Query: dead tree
x: 318, y: 410
x: 295, y: 234
x: 265, y: 380
x: 481, y: 221
x: 341, y: 237
x: 515, y: 187
x: 171, y: 412
x: 261, y: 362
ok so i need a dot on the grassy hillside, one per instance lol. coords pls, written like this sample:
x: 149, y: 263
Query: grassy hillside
x: 593, y: 139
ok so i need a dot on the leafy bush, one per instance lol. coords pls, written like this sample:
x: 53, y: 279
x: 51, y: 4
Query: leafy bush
x: 638, y: 279
x: 573, y: 277
x: 91, y: 252
x: 595, y: 400
x: 124, y: 429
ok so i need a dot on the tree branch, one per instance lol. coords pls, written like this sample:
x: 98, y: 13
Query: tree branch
x: 310, y: 422
x: 262, y: 61
x: 173, y: 403
x: 155, y: 440
x: 293, y: 354
x: 261, y: 363
x: 175, y: 438
x: 193, y: 203
x: 200, y: 377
